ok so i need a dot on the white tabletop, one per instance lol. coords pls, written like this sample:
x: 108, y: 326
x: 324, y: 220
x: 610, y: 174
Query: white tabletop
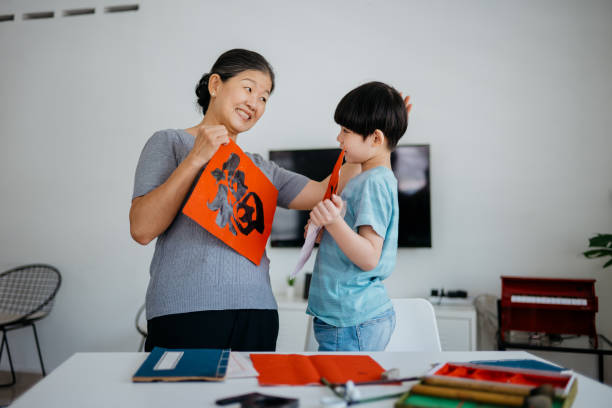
x: 105, y: 380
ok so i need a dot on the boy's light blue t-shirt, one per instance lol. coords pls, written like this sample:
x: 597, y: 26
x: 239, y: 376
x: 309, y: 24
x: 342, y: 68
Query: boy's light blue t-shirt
x: 341, y: 294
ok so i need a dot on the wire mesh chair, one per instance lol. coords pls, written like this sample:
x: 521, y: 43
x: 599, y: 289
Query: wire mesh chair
x: 141, y: 326
x: 26, y: 296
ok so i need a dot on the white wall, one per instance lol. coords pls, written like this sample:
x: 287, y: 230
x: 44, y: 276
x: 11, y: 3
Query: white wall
x: 513, y: 97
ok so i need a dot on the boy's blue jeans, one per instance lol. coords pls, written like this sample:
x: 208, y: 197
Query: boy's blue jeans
x: 371, y: 335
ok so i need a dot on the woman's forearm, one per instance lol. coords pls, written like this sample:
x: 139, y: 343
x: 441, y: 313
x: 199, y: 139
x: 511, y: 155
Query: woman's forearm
x: 153, y: 212
x: 314, y: 191
x: 349, y: 170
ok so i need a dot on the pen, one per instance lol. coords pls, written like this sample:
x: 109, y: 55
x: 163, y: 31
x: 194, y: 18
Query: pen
x: 350, y: 401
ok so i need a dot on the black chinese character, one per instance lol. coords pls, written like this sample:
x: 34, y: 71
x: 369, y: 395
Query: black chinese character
x: 244, y: 210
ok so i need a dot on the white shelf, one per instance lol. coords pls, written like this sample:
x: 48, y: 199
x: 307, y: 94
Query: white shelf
x: 457, y: 326
x: 294, y: 324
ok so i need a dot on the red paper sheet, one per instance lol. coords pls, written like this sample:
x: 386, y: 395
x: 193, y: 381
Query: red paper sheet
x: 297, y: 369
x: 332, y: 185
x: 235, y: 202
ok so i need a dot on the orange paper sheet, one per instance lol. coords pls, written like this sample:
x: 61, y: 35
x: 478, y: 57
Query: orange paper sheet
x: 297, y: 369
x: 235, y: 202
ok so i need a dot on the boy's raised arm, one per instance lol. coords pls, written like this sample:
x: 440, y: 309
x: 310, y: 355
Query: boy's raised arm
x: 363, y: 248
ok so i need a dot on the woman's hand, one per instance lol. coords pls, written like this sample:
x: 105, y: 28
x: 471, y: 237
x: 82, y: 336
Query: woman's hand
x: 327, y: 212
x: 407, y: 103
x: 152, y: 213
x: 206, y: 144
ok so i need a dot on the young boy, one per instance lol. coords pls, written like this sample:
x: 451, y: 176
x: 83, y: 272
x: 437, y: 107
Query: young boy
x: 351, y: 308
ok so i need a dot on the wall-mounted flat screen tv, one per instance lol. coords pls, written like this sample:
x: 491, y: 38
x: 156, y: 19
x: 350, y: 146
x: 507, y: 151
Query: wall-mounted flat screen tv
x: 410, y: 164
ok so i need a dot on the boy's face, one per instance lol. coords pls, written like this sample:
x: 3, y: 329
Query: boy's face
x: 356, y: 148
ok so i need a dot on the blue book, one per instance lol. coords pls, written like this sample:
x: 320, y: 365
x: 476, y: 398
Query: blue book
x: 183, y: 365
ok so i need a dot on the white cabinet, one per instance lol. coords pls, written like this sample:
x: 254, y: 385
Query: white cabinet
x: 457, y: 327
x: 294, y: 324
x: 456, y: 324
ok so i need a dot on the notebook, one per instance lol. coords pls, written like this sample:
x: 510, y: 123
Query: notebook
x: 183, y: 365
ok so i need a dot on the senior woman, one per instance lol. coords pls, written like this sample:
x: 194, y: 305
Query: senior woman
x: 201, y: 293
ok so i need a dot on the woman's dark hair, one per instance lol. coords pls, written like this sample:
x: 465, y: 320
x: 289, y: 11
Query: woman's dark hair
x: 372, y: 106
x: 229, y: 64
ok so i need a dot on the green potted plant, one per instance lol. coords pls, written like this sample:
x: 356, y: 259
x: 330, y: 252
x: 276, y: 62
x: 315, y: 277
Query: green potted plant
x: 290, y: 287
x: 602, y: 247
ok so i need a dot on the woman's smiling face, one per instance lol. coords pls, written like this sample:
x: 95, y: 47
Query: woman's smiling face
x: 239, y: 102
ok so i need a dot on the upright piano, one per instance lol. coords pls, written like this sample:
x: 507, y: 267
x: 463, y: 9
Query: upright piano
x: 549, y: 305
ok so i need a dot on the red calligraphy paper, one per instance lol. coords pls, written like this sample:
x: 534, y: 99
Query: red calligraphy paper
x: 235, y: 202
x: 332, y: 185
x: 297, y: 369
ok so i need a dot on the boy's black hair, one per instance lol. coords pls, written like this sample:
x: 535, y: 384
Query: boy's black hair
x: 229, y: 64
x: 372, y: 106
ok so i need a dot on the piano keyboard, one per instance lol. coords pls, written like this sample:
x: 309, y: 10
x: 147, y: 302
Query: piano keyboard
x: 547, y: 300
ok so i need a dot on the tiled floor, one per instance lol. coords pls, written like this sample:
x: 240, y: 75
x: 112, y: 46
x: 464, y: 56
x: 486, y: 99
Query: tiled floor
x: 23, y: 383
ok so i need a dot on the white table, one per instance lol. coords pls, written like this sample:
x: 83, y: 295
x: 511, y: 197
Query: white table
x: 104, y: 380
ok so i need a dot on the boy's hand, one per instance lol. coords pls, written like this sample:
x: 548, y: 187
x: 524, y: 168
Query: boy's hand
x: 319, y: 235
x: 327, y: 212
